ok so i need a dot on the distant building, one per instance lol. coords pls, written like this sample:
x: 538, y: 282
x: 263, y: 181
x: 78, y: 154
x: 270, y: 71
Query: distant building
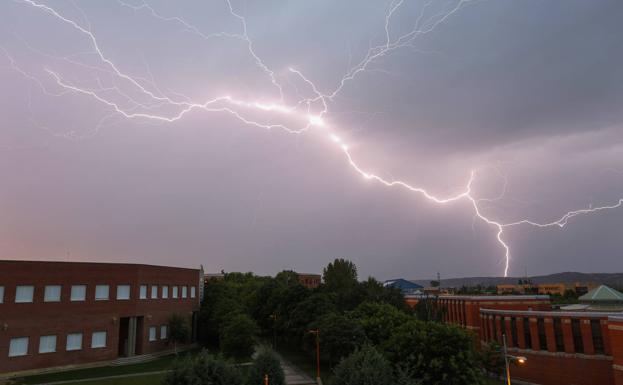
x: 310, y: 281
x: 578, y: 288
x: 58, y: 314
x: 406, y: 287
x: 602, y: 298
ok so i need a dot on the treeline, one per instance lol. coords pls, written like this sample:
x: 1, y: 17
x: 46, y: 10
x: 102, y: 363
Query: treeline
x: 363, y: 326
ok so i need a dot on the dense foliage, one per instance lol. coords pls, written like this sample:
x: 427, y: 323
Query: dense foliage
x: 204, y: 369
x: 266, y: 363
x: 366, y: 366
x: 358, y: 322
x: 179, y: 331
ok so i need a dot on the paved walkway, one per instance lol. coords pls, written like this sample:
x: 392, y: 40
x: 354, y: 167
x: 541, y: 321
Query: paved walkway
x: 294, y: 376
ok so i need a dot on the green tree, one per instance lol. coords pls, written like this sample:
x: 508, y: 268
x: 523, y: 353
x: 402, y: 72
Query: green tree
x: 266, y: 362
x: 179, y: 332
x: 238, y: 337
x: 366, y: 366
x: 204, y: 369
x: 492, y: 358
x: 379, y: 320
x: 340, y: 274
x: 435, y: 353
x: 340, y: 335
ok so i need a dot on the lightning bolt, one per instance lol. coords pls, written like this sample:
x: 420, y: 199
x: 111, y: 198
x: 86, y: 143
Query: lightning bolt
x: 307, y: 113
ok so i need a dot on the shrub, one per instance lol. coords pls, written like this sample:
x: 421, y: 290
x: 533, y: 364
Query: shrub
x: 204, y: 369
x: 238, y: 337
x: 266, y: 362
x: 366, y: 366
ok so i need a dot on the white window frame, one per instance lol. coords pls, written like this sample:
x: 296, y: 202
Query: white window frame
x: 175, y: 289
x: 49, y: 291
x: 71, y: 336
x: 193, y: 292
x: 154, y: 292
x: 77, y: 295
x: 1, y: 294
x: 164, y: 330
x: 13, y: 347
x: 99, y: 296
x: 47, y: 344
x: 152, y: 334
x: 124, y: 298
x: 165, y: 292
x: 29, y: 290
x: 96, y: 339
x: 143, y: 292
x: 184, y: 291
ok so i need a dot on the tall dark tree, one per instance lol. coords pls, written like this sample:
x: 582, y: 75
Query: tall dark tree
x: 179, y: 331
x: 339, y: 275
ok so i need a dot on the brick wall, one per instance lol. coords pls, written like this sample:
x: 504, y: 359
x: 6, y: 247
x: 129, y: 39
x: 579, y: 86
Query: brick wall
x: 39, y: 318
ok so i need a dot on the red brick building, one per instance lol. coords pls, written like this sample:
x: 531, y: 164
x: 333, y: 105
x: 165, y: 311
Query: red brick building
x: 55, y: 314
x: 310, y: 281
x: 563, y: 348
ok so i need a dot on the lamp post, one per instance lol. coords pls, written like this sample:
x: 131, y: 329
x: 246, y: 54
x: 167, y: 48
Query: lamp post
x: 274, y: 318
x: 316, y: 332
x: 508, y: 358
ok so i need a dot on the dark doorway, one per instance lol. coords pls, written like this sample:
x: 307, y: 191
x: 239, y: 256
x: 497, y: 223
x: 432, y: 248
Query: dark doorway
x: 139, y: 335
x: 124, y: 324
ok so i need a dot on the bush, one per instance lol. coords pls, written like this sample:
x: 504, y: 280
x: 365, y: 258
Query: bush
x: 238, y: 337
x: 266, y: 362
x: 204, y: 369
x: 366, y: 366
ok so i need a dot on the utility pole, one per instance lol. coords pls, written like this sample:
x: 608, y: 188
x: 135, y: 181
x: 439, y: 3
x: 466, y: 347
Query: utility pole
x: 316, y: 332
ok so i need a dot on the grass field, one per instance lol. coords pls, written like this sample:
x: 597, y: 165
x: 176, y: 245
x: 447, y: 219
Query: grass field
x: 162, y: 363
x: 152, y: 379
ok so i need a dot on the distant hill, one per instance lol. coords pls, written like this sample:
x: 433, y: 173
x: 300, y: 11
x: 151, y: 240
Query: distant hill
x: 610, y: 279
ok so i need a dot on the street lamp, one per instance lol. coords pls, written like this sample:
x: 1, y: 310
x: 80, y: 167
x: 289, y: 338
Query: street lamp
x: 316, y: 332
x: 508, y: 358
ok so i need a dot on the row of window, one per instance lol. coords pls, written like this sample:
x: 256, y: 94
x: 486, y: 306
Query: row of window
x: 491, y: 333
x: 47, y: 344
x: 52, y: 293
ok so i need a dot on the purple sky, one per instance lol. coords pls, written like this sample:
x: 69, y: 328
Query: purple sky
x: 528, y: 93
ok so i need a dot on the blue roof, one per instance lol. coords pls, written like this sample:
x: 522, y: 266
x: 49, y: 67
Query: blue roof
x: 402, y: 284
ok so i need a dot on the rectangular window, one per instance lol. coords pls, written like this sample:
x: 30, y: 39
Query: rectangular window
x: 578, y: 343
x: 184, y: 292
x: 1, y: 294
x: 163, y: 332
x: 152, y: 333
x: 598, y: 340
x: 143, y: 293
x: 154, y: 291
x: 74, y: 341
x: 47, y: 344
x: 514, y: 331
x: 540, y: 324
x: 193, y: 292
x: 98, y: 340
x: 526, y: 333
x: 78, y: 292
x: 123, y: 292
x: 18, y: 347
x: 24, y: 293
x: 52, y: 293
x: 560, y: 342
x: 165, y: 292
x: 102, y: 292
x: 495, y: 328
x: 174, y: 291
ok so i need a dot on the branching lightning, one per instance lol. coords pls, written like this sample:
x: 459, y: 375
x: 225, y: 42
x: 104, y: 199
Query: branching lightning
x: 307, y: 113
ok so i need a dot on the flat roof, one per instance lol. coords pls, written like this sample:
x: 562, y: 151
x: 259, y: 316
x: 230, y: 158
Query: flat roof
x: 19, y: 261
x: 544, y: 313
x: 483, y: 297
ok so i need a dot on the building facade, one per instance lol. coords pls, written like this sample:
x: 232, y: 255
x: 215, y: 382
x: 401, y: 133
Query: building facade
x: 55, y: 314
x: 563, y: 348
x: 310, y: 281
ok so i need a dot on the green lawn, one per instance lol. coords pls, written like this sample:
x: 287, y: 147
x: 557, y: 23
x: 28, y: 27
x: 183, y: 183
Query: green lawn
x: 152, y: 379
x: 162, y: 363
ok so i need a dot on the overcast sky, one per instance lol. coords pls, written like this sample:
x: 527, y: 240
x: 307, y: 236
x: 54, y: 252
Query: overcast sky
x: 529, y: 93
